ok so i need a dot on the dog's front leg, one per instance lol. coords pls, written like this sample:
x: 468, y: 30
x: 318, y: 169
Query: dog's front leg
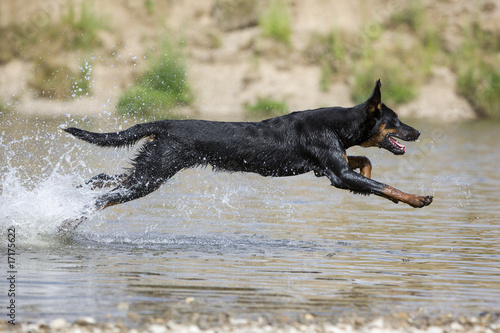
x: 413, y: 200
x: 342, y: 176
x: 362, y: 163
x: 357, y: 183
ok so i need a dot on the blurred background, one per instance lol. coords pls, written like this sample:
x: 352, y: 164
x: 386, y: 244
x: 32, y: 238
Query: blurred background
x: 214, y: 243
x: 233, y: 59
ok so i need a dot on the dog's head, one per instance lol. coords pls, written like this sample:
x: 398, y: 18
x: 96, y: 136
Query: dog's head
x: 387, y: 127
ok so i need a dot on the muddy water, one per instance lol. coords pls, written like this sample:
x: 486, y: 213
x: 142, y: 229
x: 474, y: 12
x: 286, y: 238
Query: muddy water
x: 214, y: 242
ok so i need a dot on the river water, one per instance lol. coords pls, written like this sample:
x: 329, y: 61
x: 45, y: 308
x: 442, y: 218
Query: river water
x: 251, y: 246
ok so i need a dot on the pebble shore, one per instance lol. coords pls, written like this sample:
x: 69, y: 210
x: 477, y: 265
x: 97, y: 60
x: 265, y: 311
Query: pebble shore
x: 488, y: 322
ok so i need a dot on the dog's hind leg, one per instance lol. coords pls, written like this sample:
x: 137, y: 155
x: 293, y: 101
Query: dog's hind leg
x: 150, y: 170
x: 129, y: 188
x: 133, y: 188
x: 362, y: 163
x: 71, y: 224
x: 104, y: 180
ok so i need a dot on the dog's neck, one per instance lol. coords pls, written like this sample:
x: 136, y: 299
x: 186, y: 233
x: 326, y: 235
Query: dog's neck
x: 358, y: 126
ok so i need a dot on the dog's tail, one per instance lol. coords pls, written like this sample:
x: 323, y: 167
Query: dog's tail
x: 116, y: 139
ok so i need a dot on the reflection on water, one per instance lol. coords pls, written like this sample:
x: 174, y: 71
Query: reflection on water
x: 240, y: 243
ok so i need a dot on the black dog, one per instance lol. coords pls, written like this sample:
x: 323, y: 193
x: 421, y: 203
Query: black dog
x: 293, y: 144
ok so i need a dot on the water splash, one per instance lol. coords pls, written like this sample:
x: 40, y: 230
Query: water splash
x: 38, y: 185
x: 40, y: 210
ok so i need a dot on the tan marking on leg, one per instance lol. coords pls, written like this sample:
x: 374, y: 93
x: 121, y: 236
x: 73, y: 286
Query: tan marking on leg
x: 411, y: 199
x: 362, y: 163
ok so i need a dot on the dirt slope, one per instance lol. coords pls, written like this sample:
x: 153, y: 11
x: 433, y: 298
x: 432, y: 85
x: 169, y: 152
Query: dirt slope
x: 228, y: 75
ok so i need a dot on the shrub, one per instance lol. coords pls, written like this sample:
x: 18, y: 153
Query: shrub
x: 413, y: 15
x: 82, y: 31
x: 267, y: 106
x: 4, y: 108
x: 162, y: 87
x: 51, y: 38
x: 235, y: 14
x: 81, y: 87
x: 401, y: 72
x: 398, y: 88
x: 54, y: 80
x: 481, y: 87
x: 479, y: 72
x: 330, y: 52
x: 276, y: 21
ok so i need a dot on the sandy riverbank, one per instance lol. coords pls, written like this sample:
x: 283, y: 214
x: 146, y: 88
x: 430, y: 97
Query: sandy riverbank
x: 232, y: 65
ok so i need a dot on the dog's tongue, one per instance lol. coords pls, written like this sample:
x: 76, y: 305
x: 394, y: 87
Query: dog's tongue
x: 395, y: 142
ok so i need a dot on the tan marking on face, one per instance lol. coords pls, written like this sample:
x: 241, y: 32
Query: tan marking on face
x: 376, y: 138
x: 344, y: 155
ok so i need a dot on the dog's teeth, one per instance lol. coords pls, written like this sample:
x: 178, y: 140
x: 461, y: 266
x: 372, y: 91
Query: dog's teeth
x: 396, y: 143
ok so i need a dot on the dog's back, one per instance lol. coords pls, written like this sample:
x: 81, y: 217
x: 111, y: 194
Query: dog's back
x: 313, y: 140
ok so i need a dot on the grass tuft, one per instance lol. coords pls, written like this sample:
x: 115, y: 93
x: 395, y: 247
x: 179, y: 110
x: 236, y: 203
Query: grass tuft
x: 267, y: 106
x: 276, y: 22
x: 4, y: 108
x: 478, y: 71
x: 162, y: 87
x: 82, y: 86
x: 81, y: 31
x: 330, y: 51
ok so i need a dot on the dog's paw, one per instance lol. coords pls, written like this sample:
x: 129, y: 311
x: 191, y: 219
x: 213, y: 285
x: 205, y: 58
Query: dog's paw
x: 420, y: 201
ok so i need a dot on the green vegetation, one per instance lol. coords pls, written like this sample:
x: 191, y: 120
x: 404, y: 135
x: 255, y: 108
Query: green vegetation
x: 404, y: 65
x: 267, y: 106
x: 412, y: 15
x: 398, y: 87
x: 475, y: 61
x: 330, y: 51
x: 235, y: 14
x: 162, y: 87
x: 401, y: 48
x: 150, y: 6
x: 53, y: 77
x: 276, y: 21
x: 429, y: 48
x: 81, y: 86
x: 481, y: 87
x: 80, y: 32
x: 402, y: 70
x: 4, y: 108
x: 479, y: 72
x: 54, y: 80
x: 70, y: 32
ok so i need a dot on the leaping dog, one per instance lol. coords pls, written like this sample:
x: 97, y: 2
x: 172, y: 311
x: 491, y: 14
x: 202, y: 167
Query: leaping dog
x: 293, y: 144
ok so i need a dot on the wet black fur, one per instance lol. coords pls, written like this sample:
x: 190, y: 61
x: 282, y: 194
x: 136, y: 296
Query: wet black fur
x: 293, y: 144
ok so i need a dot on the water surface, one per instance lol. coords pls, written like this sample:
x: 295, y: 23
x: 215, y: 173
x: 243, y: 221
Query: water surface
x: 252, y: 246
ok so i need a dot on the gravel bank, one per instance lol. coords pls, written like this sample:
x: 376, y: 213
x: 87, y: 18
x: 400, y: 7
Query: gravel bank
x: 488, y: 322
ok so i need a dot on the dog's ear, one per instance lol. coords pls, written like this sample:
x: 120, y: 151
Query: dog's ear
x: 374, y: 102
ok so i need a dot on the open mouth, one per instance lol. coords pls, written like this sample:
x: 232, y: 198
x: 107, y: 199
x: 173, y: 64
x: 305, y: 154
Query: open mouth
x: 394, y: 146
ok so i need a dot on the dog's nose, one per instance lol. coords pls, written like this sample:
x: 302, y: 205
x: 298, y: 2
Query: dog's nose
x: 417, y: 134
